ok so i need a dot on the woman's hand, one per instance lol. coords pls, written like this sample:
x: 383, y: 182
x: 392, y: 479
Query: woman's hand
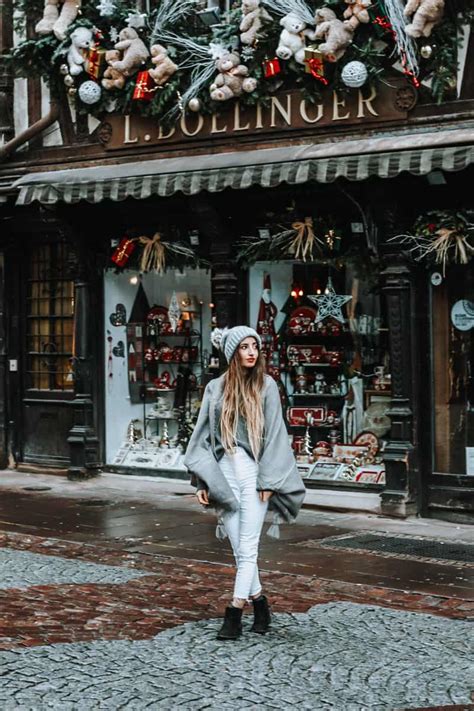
x: 202, y: 497
x: 265, y: 495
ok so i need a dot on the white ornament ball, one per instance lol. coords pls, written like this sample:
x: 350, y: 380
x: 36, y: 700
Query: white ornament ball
x: 426, y: 51
x: 90, y: 92
x: 354, y: 74
x: 68, y: 80
x: 194, y: 104
x: 64, y: 69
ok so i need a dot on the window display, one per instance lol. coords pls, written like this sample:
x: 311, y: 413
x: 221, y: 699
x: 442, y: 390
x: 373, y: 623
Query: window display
x: 330, y: 359
x: 153, y: 392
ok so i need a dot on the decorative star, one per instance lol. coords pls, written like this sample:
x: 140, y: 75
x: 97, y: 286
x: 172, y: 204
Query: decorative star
x: 329, y: 304
x: 137, y: 20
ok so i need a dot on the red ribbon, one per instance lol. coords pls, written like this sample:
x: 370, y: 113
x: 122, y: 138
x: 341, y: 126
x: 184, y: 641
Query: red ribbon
x: 315, y: 67
x: 385, y: 24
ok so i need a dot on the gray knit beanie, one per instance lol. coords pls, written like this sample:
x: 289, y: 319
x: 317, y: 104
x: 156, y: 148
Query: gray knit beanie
x: 228, y: 339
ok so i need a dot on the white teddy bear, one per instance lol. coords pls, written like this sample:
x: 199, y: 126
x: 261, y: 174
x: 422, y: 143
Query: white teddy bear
x: 292, y: 40
x: 81, y: 41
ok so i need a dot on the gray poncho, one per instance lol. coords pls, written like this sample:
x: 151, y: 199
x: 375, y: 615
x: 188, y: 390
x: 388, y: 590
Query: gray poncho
x: 277, y: 470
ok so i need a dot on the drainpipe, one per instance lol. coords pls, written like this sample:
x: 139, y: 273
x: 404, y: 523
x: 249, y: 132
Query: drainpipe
x: 31, y: 132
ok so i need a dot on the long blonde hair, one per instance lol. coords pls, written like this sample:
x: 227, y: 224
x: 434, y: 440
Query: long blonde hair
x: 243, y: 389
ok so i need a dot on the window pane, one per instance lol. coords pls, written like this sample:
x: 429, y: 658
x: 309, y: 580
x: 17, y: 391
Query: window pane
x: 50, y: 311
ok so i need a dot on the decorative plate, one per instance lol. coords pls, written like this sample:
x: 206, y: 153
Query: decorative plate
x: 369, y: 440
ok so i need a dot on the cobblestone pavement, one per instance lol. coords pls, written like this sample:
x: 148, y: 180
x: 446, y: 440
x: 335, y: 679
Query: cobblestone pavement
x: 339, y: 656
x: 22, y: 569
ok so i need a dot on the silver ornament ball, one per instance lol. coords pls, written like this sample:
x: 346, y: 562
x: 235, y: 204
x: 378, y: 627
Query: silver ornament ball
x: 426, y: 51
x: 68, y: 80
x: 64, y: 69
x: 90, y: 92
x: 354, y: 74
x: 72, y: 91
x: 194, y: 104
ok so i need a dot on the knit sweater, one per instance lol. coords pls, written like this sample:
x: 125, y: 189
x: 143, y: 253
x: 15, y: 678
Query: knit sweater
x: 277, y: 470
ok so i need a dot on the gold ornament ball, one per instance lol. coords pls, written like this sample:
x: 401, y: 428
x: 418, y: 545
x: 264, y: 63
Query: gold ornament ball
x: 68, y: 80
x: 64, y: 69
x: 194, y: 104
x: 72, y: 91
x: 426, y: 51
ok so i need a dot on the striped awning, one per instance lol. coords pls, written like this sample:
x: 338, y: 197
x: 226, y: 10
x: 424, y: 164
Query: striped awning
x: 238, y: 170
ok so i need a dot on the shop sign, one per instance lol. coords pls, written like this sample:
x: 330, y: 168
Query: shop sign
x: 462, y: 315
x: 285, y: 112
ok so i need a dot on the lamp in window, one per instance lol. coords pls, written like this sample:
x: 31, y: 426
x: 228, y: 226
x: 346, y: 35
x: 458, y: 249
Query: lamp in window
x: 189, y: 307
x: 211, y: 15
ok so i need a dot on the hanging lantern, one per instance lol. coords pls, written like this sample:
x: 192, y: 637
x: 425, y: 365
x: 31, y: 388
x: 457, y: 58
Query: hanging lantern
x: 123, y: 252
x: 271, y: 67
x: 314, y: 64
x: 145, y: 87
x: 354, y: 74
x: 90, y: 92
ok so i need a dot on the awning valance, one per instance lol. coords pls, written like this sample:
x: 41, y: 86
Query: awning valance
x: 322, y: 163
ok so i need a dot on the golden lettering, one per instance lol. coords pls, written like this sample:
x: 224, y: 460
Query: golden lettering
x: 285, y: 113
x: 304, y: 113
x: 237, y: 126
x: 335, y: 108
x: 184, y: 126
x: 367, y: 103
x: 163, y: 136
x: 127, y: 137
x: 258, y: 117
x: 214, y: 126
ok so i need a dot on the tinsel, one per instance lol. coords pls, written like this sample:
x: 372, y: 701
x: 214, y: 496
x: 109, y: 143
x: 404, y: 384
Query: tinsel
x: 169, y: 13
x: 297, y: 7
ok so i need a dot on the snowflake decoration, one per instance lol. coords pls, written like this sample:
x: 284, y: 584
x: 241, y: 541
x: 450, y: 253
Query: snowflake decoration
x: 136, y: 20
x: 113, y: 34
x: 330, y: 304
x: 106, y: 8
x: 247, y: 53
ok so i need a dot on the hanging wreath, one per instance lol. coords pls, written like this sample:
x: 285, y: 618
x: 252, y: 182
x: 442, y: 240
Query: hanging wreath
x: 442, y: 237
x: 155, y: 255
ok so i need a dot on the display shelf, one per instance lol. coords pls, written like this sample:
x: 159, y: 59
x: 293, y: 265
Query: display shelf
x: 319, y: 395
x: 316, y: 427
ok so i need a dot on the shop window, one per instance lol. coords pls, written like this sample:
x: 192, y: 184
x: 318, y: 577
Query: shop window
x: 326, y: 341
x: 452, y: 323
x: 50, y: 312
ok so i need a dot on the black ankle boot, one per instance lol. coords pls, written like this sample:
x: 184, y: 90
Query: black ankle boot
x: 262, y: 617
x: 232, y: 626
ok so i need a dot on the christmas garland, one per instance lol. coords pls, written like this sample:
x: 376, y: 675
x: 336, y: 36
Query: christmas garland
x: 169, y: 54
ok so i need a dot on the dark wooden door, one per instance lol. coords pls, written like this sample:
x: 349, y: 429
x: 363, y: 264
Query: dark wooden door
x: 41, y: 343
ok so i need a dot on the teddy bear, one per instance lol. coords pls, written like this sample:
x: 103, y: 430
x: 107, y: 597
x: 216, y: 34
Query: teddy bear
x: 81, y: 41
x: 253, y: 17
x: 55, y: 21
x: 164, y: 66
x: 232, y: 79
x: 112, y: 79
x: 337, y: 34
x: 357, y: 12
x: 134, y: 52
x: 425, y: 15
x: 292, y: 38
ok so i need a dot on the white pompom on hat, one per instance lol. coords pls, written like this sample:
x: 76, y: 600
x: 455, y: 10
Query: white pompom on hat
x: 228, y: 339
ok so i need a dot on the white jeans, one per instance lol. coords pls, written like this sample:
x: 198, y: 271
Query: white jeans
x: 244, y: 525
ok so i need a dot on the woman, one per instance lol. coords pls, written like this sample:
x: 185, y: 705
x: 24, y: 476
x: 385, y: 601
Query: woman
x: 242, y: 464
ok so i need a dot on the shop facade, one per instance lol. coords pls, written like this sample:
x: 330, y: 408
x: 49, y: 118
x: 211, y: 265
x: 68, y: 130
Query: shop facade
x: 306, y: 221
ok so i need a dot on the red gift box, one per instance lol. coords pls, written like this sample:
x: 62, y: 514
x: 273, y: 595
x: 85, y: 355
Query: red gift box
x: 145, y: 87
x: 271, y: 67
x: 123, y: 252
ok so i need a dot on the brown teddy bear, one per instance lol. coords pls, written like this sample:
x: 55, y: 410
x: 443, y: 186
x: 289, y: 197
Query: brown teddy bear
x: 134, y: 52
x: 164, y: 66
x: 357, y: 11
x: 57, y: 22
x: 253, y: 17
x: 425, y: 15
x: 336, y: 33
x: 113, y: 78
x: 232, y: 79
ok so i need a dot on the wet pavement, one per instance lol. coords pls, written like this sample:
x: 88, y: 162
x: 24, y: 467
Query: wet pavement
x: 110, y: 598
